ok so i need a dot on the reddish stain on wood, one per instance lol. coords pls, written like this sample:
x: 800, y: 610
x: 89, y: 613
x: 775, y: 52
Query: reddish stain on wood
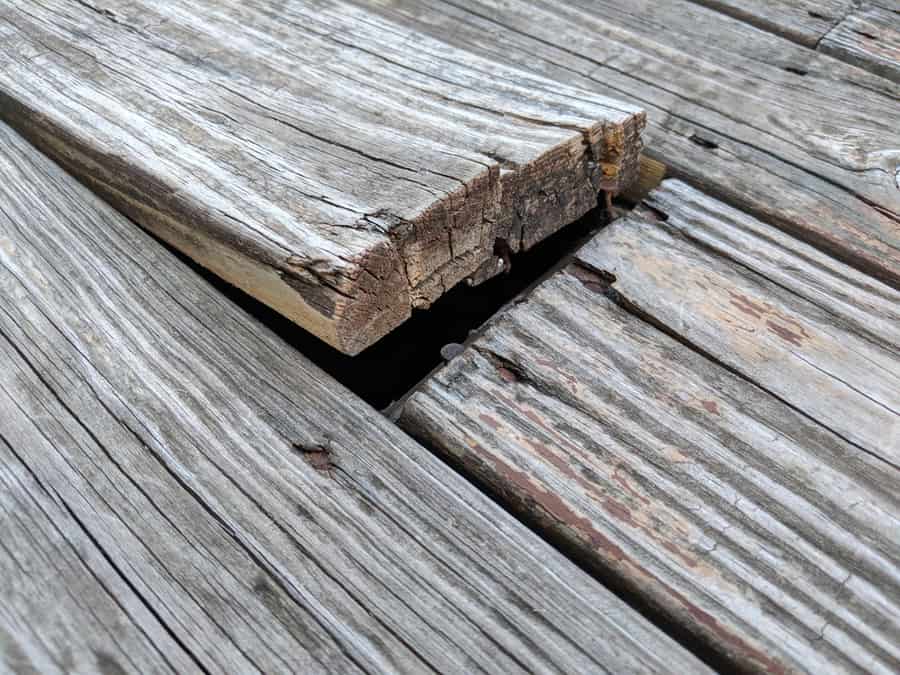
x: 747, y: 306
x: 711, y: 407
x: 620, y: 512
x: 787, y: 334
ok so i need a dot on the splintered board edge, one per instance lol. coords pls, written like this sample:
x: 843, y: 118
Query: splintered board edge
x: 337, y: 165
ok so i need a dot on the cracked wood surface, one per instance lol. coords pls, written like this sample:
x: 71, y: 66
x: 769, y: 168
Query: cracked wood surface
x: 225, y: 492
x: 339, y: 166
x: 803, y: 21
x: 787, y: 133
x: 868, y: 37
x: 58, y: 590
x: 738, y: 514
x: 864, y: 34
x: 798, y: 323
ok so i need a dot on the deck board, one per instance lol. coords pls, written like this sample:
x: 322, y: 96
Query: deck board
x: 868, y: 37
x: 790, y: 319
x: 226, y: 490
x: 793, y: 136
x: 645, y: 408
x: 863, y: 33
x: 339, y: 167
x: 65, y: 608
x: 803, y: 21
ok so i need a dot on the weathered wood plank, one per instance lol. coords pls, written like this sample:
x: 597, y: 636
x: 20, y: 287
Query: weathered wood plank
x: 798, y: 323
x: 264, y: 516
x: 802, y: 21
x: 791, y: 135
x: 769, y: 537
x: 65, y: 609
x: 869, y: 37
x: 340, y: 167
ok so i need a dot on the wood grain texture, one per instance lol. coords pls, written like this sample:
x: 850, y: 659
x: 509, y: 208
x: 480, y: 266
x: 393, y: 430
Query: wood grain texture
x: 65, y: 608
x: 802, y: 326
x: 869, y: 37
x: 802, y: 21
x: 340, y: 167
x: 260, y: 512
x: 793, y: 136
x: 769, y: 537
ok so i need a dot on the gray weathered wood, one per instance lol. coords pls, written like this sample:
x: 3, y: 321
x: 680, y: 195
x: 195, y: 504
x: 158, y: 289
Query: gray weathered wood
x: 64, y: 608
x: 265, y: 516
x: 769, y: 537
x: 338, y: 166
x: 803, y: 21
x: 868, y: 37
x: 816, y: 154
x: 798, y: 323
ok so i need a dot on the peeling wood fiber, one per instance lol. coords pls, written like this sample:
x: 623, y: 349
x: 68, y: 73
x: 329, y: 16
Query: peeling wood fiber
x: 339, y: 166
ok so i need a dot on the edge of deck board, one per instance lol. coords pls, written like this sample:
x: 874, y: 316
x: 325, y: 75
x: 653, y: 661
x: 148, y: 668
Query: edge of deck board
x: 592, y: 411
x: 268, y: 517
x: 790, y: 165
x: 341, y: 168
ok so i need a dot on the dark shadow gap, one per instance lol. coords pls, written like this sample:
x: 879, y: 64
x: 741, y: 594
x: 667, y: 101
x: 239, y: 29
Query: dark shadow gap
x: 387, y: 370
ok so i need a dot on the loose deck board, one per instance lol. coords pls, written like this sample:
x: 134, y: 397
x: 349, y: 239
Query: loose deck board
x: 230, y: 498
x: 791, y: 135
x: 868, y: 37
x: 737, y: 513
x: 338, y: 166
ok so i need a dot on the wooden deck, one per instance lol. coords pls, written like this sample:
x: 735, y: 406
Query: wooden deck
x: 679, y: 452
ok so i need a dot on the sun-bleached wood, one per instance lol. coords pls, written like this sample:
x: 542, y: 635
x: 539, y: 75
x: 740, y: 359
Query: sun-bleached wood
x: 65, y: 608
x: 789, y: 134
x: 737, y: 515
x: 229, y: 489
x: 340, y: 167
x: 795, y: 321
x: 869, y: 37
x: 802, y: 21
x: 863, y: 33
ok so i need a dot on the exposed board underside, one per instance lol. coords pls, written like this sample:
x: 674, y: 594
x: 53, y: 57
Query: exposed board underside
x: 182, y: 491
x: 338, y: 166
x: 709, y: 410
x: 794, y: 136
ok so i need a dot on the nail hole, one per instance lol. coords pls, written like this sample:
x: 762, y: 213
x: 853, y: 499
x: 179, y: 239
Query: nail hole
x: 796, y: 71
x: 704, y: 142
x: 654, y: 212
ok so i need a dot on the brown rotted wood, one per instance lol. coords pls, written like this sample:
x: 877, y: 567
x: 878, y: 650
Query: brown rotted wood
x: 739, y: 516
x: 235, y: 509
x: 869, y: 37
x: 791, y: 135
x: 338, y: 166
